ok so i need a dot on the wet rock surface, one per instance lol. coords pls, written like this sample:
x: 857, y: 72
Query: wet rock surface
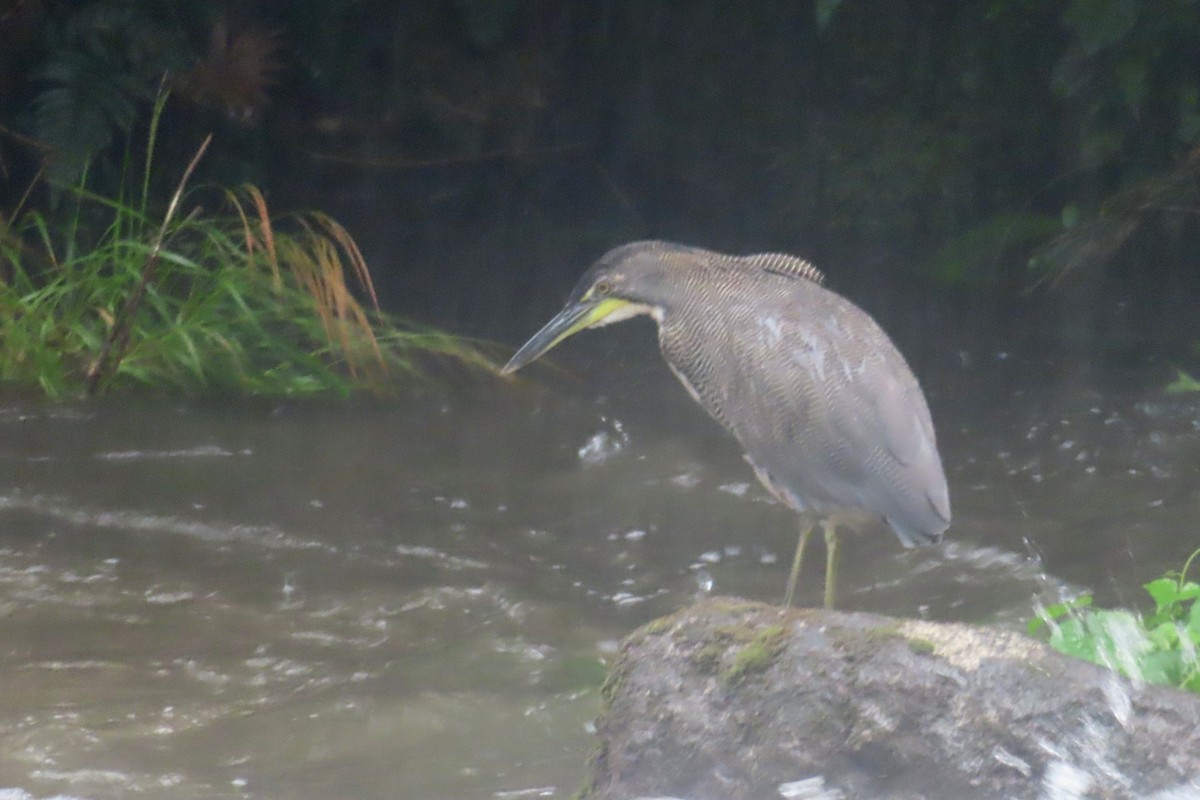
x: 733, y: 699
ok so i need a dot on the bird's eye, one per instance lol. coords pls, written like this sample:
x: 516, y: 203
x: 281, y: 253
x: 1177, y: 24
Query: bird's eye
x: 601, y: 288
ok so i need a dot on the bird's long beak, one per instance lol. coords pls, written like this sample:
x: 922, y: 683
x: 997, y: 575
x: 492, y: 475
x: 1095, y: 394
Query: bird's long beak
x: 572, y: 319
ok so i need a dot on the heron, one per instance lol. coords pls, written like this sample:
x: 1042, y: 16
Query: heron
x: 828, y: 412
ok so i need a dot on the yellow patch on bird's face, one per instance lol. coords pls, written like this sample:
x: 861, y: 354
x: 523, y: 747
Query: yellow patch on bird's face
x: 614, y: 309
x: 600, y: 313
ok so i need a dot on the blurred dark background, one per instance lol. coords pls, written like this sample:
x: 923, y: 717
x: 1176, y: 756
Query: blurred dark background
x: 1025, y: 171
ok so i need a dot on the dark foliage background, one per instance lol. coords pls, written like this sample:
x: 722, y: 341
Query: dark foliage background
x: 1034, y: 164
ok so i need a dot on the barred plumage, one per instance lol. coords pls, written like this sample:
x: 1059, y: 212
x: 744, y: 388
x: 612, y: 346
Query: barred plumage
x: 826, y: 408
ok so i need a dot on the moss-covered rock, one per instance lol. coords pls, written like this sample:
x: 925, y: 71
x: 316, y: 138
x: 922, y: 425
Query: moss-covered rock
x: 731, y: 699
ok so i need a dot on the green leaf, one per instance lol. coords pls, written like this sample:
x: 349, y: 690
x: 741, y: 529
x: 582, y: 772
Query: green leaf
x: 1193, y: 623
x: 85, y: 103
x: 1164, y: 636
x: 1073, y: 639
x: 971, y: 257
x: 1057, y: 611
x: 1163, y: 668
x: 1183, y: 383
x: 1165, y: 592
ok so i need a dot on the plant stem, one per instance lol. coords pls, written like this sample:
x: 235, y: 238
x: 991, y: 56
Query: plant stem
x: 113, y: 351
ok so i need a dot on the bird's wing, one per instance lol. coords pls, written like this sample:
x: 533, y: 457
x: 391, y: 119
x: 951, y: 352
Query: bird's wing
x: 901, y: 418
x: 838, y: 387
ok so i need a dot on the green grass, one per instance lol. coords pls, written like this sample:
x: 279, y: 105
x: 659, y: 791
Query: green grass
x: 200, y: 303
x: 1162, y: 648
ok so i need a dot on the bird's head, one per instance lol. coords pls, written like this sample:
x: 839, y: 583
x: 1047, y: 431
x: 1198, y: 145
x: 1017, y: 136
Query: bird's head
x: 626, y: 282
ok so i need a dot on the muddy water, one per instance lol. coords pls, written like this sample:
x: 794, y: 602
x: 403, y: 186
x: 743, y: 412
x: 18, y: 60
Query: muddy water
x: 414, y: 598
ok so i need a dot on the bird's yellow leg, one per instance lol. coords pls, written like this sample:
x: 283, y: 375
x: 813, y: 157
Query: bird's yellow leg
x: 806, y: 529
x: 831, y: 561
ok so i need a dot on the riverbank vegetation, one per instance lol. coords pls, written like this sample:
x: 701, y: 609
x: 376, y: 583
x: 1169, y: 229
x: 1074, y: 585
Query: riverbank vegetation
x: 1038, y: 160
x: 228, y: 300
x: 1161, y: 647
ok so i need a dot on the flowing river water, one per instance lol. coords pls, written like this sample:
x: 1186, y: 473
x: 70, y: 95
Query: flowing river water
x: 415, y: 598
